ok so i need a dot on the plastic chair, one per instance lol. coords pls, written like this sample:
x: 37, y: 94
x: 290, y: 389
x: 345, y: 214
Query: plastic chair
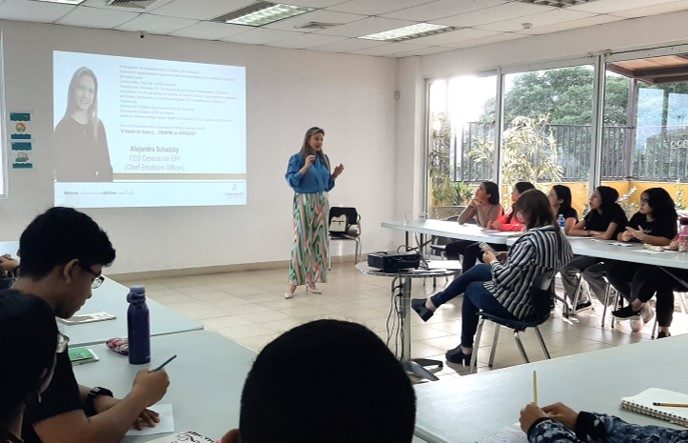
x: 352, y: 231
x: 542, y: 298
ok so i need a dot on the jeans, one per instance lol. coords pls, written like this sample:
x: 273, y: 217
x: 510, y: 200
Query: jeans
x: 475, y: 297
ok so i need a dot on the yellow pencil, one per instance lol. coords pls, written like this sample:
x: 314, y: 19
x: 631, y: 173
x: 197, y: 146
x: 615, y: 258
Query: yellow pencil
x: 671, y: 405
x: 535, y: 396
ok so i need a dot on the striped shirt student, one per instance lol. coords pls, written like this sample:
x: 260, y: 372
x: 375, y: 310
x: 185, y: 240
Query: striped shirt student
x: 538, y: 250
x: 501, y: 286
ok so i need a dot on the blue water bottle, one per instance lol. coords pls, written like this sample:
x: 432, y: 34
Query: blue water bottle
x: 138, y: 326
x: 561, y: 221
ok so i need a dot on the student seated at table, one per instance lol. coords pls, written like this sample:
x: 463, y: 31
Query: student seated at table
x: 654, y: 224
x: 326, y: 381
x: 28, y: 339
x: 502, y: 286
x: 63, y: 252
x: 506, y: 222
x: 559, y: 423
x: 8, y: 270
x: 483, y: 209
x: 560, y: 201
x: 604, y: 221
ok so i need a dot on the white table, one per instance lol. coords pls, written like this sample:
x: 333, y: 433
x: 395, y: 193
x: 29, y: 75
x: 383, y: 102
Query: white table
x: 111, y: 297
x: 451, y: 229
x: 467, y: 409
x: 9, y: 247
x: 580, y: 245
x: 206, y: 379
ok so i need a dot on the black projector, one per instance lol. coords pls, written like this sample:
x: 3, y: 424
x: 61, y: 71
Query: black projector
x: 392, y: 261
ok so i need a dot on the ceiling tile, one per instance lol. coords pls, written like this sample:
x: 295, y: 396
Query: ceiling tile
x: 366, y: 26
x: 201, y: 9
x: 573, y: 24
x: 314, y: 3
x: 102, y: 4
x: 323, y: 16
x: 652, y: 10
x: 259, y: 36
x: 495, y: 38
x: 304, y: 41
x: 386, y: 49
x: 350, y: 44
x: 451, y: 37
x: 420, y: 50
x: 88, y: 17
x: 536, y: 20
x: 210, y: 30
x: 376, y: 7
x: 490, y: 15
x: 607, y: 6
x: 442, y: 8
x: 25, y: 10
x: 156, y: 24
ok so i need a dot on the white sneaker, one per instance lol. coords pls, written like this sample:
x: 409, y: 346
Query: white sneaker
x: 637, y: 324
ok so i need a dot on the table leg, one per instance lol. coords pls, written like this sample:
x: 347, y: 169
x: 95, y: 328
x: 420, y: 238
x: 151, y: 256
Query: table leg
x: 413, y: 366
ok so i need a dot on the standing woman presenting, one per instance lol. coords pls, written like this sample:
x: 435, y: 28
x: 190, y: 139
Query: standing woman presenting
x: 308, y: 173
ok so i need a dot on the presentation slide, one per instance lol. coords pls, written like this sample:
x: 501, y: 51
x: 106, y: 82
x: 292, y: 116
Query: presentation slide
x: 134, y: 132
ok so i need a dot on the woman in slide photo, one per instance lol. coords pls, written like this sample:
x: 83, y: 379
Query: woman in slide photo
x: 311, y: 177
x: 80, y: 142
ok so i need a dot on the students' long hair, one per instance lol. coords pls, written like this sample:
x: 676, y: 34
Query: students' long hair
x: 534, y: 204
x: 306, y: 148
x: 563, y: 194
x: 662, y: 204
x: 492, y: 189
x: 92, y: 111
x: 608, y: 197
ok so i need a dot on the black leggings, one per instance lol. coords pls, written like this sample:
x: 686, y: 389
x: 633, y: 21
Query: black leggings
x: 634, y: 280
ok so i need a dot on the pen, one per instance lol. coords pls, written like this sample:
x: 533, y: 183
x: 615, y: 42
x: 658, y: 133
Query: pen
x: 671, y: 405
x: 166, y: 361
x: 535, y: 395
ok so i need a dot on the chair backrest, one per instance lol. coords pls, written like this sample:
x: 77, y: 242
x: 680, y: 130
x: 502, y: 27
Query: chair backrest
x: 542, y: 295
x: 350, y: 213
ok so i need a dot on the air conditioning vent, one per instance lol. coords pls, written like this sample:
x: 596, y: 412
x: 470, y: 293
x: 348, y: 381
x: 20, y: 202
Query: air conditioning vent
x: 135, y: 4
x: 317, y: 25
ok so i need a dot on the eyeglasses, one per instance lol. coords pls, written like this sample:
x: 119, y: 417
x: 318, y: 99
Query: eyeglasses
x: 97, y: 278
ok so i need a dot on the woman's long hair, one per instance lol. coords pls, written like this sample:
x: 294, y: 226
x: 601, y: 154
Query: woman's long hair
x: 92, y: 111
x: 492, y: 189
x: 534, y: 204
x: 306, y: 149
x: 563, y: 194
x: 662, y: 204
x: 608, y: 197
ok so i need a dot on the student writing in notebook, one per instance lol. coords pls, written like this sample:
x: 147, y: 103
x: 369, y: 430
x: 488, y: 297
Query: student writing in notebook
x: 63, y: 253
x: 559, y: 423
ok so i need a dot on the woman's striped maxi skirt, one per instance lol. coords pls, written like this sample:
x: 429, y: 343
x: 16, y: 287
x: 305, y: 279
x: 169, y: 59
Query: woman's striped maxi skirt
x: 311, y: 239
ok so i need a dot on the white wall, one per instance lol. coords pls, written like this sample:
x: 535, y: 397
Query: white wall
x: 351, y: 97
x: 653, y: 31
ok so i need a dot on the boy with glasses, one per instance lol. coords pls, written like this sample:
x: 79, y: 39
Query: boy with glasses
x: 63, y: 253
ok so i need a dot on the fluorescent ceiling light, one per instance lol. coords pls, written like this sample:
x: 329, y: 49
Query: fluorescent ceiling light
x: 262, y: 13
x: 64, y: 2
x: 556, y: 3
x: 409, y: 32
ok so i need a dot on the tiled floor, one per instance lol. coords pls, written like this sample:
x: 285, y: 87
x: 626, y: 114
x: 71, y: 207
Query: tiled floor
x: 249, y: 307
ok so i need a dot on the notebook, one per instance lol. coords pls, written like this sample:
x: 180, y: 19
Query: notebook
x: 643, y: 404
x: 186, y: 436
x: 87, y: 318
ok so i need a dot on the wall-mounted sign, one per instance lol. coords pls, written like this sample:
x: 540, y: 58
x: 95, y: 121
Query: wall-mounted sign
x: 21, y: 139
